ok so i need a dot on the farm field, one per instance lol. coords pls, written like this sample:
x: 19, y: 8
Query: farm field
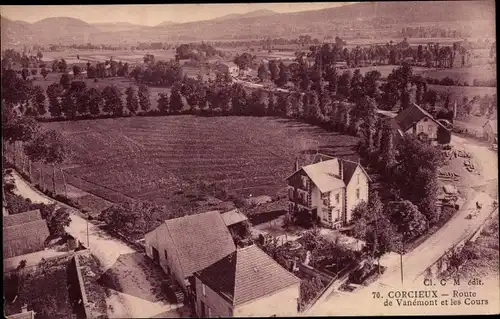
x: 162, y: 158
x: 102, y: 55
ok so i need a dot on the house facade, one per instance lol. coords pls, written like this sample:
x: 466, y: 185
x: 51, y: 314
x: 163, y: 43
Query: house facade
x: 184, y: 245
x: 328, y: 190
x: 246, y: 283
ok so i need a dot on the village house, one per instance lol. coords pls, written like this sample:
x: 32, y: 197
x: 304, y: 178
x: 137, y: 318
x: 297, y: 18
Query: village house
x: 418, y: 122
x: 24, y: 233
x: 246, y: 283
x: 328, y: 190
x: 228, y: 67
x: 185, y: 245
x: 490, y: 131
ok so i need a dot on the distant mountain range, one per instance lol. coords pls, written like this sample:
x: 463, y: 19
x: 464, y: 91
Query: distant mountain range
x: 255, y: 24
x: 253, y: 14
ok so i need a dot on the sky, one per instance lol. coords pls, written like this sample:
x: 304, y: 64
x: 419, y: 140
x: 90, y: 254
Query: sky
x: 151, y: 14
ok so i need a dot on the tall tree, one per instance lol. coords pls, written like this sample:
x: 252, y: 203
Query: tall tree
x: 132, y: 100
x: 239, y: 100
x: 47, y: 147
x: 95, y: 101
x: 112, y: 100
x: 54, y: 93
x: 274, y: 70
x: 263, y: 72
x: 344, y: 85
x: 176, y: 104
x: 370, y: 84
x: 284, y: 75
x: 257, y: 103
x: 38, y: 100
x: 271, y: 104
x: 357, y: 90
x: 144, y: 98
x: 163, y: 103
x: 65, y: 81
x: 409, y: 222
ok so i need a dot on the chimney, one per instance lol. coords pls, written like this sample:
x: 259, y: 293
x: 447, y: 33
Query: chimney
x: 24, y: 308
x: 296, y: 167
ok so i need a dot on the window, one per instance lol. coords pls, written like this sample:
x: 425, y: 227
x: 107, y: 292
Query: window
x: 429, y: 129
x: 420, y: 128
x: 337, y: 198
x: 359, y: 175
x: 203, y: 291
x: 290, y: 193
x: 357, y: 193
x: 304, y: 182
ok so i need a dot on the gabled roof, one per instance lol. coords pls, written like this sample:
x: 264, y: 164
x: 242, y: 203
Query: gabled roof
x: 21, y: 218
x: 233, y: 217
x: 493, y: 124
x: 324, y: 172
x: 24, y: 238
x: 199, y: 240
x: 246, y: 274
x: 325, y: 175
x: 26, y: 230
x: 411, y: 115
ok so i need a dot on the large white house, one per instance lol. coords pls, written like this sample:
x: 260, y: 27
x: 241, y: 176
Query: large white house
x: 328, y: 189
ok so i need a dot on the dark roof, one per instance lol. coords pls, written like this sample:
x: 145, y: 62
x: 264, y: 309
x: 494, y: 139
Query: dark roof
x: 21, y: 218
x: 199, y: 240
x: 245, y: 275
x: 411, y: 115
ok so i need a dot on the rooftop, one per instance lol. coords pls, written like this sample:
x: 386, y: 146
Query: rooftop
x: 21, y: 218
x: 199, y: 240
x: 411, y: 115
x: 245, y: 275
x: 325, y: 175
x: 233, y: 217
